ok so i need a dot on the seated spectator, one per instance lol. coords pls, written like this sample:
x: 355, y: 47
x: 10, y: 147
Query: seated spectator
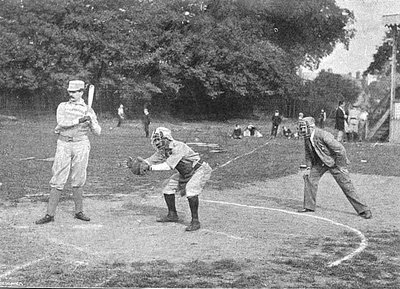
x: 251, y: 130
x: 237, y: 132
x: 287, y: 132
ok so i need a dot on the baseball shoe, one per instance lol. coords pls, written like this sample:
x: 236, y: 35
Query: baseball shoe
x: 45, y: 219
x: 171, y: 217
x: 305, y: 211
x: 82, y: 217
x: 366, y: 214
x: 194, y: 225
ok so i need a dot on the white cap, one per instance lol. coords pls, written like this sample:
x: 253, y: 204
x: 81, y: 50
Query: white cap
x: 75, y: 85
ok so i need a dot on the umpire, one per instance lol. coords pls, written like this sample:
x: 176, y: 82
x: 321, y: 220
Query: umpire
x: 324, y: 153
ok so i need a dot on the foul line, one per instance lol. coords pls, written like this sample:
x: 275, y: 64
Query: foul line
x: 361, y: 247
x: 59, y: 242
x: 238, y: 157
x: 19, y: 267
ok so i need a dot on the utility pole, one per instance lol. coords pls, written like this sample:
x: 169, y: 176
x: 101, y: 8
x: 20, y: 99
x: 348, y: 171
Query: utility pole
x: 393, y: 22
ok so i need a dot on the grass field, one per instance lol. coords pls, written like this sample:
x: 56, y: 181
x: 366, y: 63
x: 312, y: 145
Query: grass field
x: 250, y: 235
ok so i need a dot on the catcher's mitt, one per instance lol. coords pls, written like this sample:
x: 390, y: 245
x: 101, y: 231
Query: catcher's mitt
x: 138, y: 167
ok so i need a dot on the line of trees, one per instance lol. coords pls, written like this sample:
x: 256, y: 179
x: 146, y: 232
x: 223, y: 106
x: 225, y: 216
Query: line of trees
x: 208, y: 59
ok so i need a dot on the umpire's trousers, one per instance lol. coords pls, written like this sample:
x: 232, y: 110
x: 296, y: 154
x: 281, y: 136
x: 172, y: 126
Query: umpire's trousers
x: 341, y: 176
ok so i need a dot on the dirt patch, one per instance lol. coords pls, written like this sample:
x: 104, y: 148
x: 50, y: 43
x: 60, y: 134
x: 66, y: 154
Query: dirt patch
x: 262, y: 228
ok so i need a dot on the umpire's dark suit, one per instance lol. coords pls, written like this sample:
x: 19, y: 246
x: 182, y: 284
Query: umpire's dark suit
x: 325, y: 153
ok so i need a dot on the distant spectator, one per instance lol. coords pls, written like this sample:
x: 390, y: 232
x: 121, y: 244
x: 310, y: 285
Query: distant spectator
x: 276, y: 121
x: 296, y: 134
x: 353, y: 121
x: 251, y: 130
x: 146, y: 122
x: 121, y: 115
x: 237, y: 132
x: 287, y: 132
x: 322, y: 118
x: 340, y: 121
x: 362, y: 125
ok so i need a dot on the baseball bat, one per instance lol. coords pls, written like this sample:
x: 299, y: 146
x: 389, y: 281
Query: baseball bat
x: 90, y: 96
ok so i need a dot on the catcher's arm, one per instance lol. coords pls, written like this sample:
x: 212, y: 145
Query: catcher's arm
x: 155, y: 167
x: 160, y: 167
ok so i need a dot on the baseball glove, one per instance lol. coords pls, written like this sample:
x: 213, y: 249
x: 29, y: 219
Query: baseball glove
x: 138, y: 167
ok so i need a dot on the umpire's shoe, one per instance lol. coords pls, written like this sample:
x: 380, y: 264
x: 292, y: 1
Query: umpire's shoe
x: 366, y: 215
x: 194, y: 225
x: 82, y: 217
x: 171, y: 217
x: 45, y: 219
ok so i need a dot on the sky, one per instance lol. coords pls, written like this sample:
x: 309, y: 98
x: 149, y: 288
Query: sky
x: 370, y: 32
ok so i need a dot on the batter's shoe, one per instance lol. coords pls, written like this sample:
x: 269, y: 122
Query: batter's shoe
x: 194, y: 225
x: 366, y: 215
x: 45, y: 219
x: 82, y: 217
x: 171, y: 217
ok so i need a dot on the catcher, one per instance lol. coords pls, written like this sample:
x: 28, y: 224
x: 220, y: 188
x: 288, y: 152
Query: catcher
x: 189, y: 181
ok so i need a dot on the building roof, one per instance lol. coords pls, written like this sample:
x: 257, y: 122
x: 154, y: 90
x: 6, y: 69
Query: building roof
x: 391, y: 20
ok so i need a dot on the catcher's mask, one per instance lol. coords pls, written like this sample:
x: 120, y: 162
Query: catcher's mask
x: 161, y: 137
x: 305, y: 126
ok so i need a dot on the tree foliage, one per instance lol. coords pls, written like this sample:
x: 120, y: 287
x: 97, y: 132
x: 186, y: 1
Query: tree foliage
x: 381, y: 64
x: 196, y: 57
x: 328, y: 89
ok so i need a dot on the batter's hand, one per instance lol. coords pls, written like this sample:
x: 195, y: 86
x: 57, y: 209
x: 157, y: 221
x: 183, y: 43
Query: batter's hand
x: 85, y: 119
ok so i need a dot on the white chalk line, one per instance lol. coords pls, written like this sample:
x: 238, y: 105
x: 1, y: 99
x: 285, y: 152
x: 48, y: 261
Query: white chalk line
x: 361, y: 247
x: 238, y: 157
x: 222, y: 233
x: 19, y: 267
x: 59, y: 242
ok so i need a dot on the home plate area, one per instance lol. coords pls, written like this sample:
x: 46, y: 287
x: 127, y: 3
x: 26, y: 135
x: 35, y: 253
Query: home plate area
x: 125, y: 230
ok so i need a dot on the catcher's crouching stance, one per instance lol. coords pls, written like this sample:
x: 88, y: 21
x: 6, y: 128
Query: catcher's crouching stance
x: 190, y: 179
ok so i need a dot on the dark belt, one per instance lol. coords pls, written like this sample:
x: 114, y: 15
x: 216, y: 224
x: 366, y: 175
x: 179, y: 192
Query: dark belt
x: 199, y: 163
x: 71, y: 139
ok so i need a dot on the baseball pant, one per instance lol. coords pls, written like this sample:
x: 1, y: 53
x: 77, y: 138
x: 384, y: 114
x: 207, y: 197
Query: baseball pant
x: 71, y: 159
x: 341, y: 176
x: 274, y: 130
x: 194, y: 186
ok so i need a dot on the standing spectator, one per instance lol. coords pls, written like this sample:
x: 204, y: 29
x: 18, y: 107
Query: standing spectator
x: 340, y: 120
x: 276, y: 121
x: 362, y: 125
x: 323, y: 153
x: 353, y: 121
x: 322, y: 118
x: 121, y: 115
x: 296, y: 134
x: 146, y: 121
x: 74, y: 121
